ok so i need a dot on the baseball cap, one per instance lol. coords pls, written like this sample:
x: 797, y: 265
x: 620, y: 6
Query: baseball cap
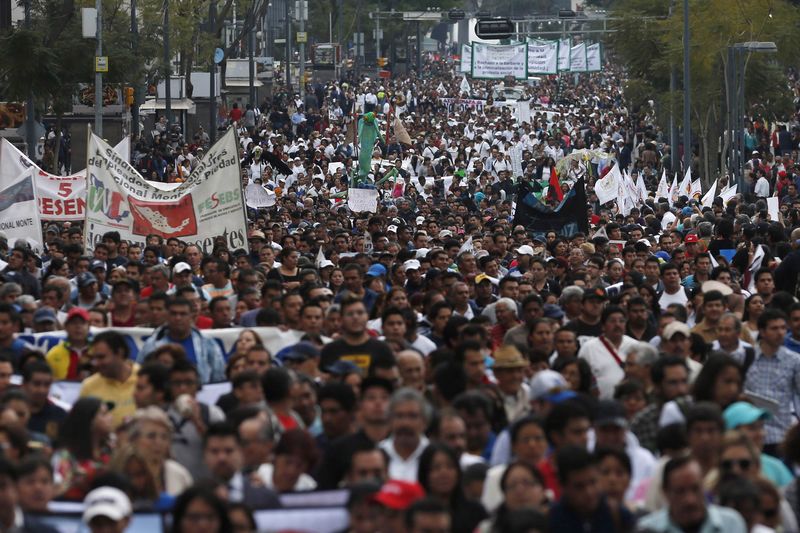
x: 549, y: 385
x: 85, y: 279
x: 44, y: 315
x: 98, y: 263
x: 181, y: 267
x: 610, y: 413
x: 341, y: 368
x: 325, y: 263
x: 691, y: 238
x: 399, y: 495
x: 675, y: 328
x: 445, y: 233
x: 481, y: 278
x: 376, y: 270
x: 525, y: 250
x: 411, y: 264
x: 256, y: 234
x: 302, y: 351
x: 77, y: 312
x: 553, y: 311
x: 596, y: 293
x: 743, y: 413
x: 109, y: 502
x: 391, y: 229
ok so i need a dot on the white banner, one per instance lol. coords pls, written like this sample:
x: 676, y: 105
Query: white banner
x: 495, y: 62
x: 466, y: 59
x: 457, y: 105
x: 257, y: 196
x: 208, y: 204
x: 577, y: 60
x: 19, y: 218
x: 594, y: 58
x: 60, y: 197
x: 564, y: 54
x: 542, y: 57
x: 360, y: 200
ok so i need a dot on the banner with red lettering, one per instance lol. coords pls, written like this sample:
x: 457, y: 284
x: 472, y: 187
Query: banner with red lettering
x: 60, y: 197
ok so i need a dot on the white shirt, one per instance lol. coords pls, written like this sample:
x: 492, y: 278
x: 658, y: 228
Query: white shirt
x: 304, y: 482
x: 403, y: 469
x: 737, y: 353
x: 605, y: 368
x: 668, y: 299
x: 762, y: 187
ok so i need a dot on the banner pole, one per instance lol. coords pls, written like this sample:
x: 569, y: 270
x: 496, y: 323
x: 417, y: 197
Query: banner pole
x: 241, y: 189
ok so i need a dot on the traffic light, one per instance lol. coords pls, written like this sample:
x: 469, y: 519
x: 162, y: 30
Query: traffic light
x: 383, y: 61
x: 129, y: 96
x: 499, y: 28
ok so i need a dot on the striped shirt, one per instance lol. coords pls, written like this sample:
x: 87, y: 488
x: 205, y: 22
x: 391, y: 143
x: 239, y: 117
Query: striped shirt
x: 776, y: 378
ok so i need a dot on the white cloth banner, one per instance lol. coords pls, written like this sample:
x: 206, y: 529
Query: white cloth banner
x: 457, y: 105
x: 564, y: 54
x: 60, y: 198
x: 542, y: 57
x: 208, y: 204
x: 466, y: 59
x: 257, y: 196
x: 577, y: 60
x: 19, y: 217
x: 523, y: 114
x: 495, y: 62
x: 360, y: 200
x: 594, y: 58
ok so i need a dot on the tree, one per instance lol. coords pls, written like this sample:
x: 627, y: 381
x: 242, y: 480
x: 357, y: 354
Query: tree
x: 651, y: 48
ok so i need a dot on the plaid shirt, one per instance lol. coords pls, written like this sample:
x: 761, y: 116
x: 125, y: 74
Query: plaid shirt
x: 776, y: 378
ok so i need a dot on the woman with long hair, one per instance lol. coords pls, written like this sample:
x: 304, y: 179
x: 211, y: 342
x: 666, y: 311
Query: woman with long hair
x: 439, y: 474
x: 753, y: 307
x: 199, y: 510
x: 84, y: 438
x: 288, y: 273
x: 151, y: 436
x: 522, y: 490
x: 247, y: 339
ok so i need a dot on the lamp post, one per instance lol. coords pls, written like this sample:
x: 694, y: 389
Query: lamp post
x: 736, y: 104
x: 687, y: 92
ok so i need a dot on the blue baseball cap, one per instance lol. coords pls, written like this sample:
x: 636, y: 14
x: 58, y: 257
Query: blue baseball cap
x: 376, y: 270
x: 743, y: 413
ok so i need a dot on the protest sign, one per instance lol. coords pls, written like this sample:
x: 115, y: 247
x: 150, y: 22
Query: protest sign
x: 60, y: 198
x: 594, y: 58
x: 19, y: 217
x: 257, y: 196
x: 495, y: 62
x: 773, y: 208
x: 542, y: 57
x: 466, y: 59
x: 360, y: 200
x: 457, y: 105
x: 564, y: 54
x: 567, y: 219
x: 577, y: 59
x: 208, y: 204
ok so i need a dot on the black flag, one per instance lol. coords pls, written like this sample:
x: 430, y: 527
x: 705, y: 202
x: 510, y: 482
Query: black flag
x: 567, y: 219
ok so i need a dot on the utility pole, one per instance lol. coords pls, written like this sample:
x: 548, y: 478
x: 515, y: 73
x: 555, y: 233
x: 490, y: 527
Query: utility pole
x: 30, y: 111
x: 288, y: 48
x: 98, y: 76
x: 419, y: 50
x: 687, y: 93
x: 673, y: 130
x: 135, y: 46
x: 301, y: 18
x: 377, y: 36
x: 212, y: 90
x: 167, y: 70
x: 251, y: 44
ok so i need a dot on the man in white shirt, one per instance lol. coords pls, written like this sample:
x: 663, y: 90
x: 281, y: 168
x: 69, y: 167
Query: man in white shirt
x: 762, y: 187
x: 607, y: 353
x: 729, y: 328
x: 674, y: 292
x: 409, y: 414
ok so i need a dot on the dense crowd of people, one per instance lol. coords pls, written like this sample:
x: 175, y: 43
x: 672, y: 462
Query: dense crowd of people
x: 450, y: 369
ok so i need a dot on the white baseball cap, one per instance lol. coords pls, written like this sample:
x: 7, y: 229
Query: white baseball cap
x: 411, y: 264
x: 525, y: 250
x: 181, y: 267
x: 107, y: 501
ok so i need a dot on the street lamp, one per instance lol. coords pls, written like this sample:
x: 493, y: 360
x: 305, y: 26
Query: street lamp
x: 736, y: 76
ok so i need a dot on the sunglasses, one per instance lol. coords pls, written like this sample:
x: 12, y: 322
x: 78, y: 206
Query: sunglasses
x: 728, y: 464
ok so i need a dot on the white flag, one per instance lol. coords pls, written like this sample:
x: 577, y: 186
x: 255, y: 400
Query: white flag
x: 728, y: 193
x: 465, y: 88
x: 607, y: 189
x: 673, y: 190
x: 642, y: 188
x: 320, y: 257
x: 708, y: 198
x: 467, y: 246
x: 696, y: 190
x: 440, y: 89
x: 663, y: 187
x: 686, y: 185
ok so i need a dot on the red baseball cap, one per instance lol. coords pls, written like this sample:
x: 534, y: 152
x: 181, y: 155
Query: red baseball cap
x: 78, y: 312
x: 399, y: 495
x: 691, y: 238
